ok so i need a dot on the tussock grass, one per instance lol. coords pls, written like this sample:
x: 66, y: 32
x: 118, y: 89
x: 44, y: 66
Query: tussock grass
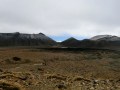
x: 16, y: 60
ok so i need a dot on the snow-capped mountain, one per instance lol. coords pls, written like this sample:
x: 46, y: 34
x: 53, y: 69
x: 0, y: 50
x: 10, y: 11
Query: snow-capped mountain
x: 106, y: 38
x: 25, y: 39
x: 99, y: 42
x: 27, y: 36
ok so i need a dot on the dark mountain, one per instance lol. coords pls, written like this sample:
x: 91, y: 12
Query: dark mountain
x: 70, y: 42
x: 20, y: 39
x: 100, y: 42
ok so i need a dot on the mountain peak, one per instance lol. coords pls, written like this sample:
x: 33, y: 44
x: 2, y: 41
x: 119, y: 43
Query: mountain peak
x: 106, y: 38
x: 41, y: 34
x: 71, y: 38
x: 100, y: 36
x: 70, y: 42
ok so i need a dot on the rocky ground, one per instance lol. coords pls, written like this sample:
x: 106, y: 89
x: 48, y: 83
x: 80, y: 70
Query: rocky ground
x: 35, y: 69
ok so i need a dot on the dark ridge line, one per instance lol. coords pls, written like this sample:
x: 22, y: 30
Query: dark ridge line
x: 78, y: 49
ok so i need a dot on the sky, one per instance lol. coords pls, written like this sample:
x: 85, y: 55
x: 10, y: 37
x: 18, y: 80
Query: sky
x: 61, y: 19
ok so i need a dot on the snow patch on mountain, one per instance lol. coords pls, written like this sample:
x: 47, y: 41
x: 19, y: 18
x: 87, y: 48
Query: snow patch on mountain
x: 106, y: 38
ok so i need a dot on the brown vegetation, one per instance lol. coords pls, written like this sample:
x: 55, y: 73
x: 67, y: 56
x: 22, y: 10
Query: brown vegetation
x: 5, y: 85
x: 34, y: 69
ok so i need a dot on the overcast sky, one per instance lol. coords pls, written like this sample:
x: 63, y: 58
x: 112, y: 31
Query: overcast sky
x: 61, y: 18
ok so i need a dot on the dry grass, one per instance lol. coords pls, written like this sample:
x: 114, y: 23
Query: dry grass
x: 6, y: 85
x: 49, y: 70
x: 58, y: 77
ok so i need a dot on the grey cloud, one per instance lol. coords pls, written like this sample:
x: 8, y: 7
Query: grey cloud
x: 57, y: 17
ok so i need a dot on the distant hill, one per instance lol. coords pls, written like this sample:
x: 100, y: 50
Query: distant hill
x: 106, y: 38
x: 101, y: 42
x: 20, y: 39
x: 70, y: 42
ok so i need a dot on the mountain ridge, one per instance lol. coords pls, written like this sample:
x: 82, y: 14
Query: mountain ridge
x: 109, y: 42
x: 106, y: 37
x: 23, y: 39
x: 40, y: 39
